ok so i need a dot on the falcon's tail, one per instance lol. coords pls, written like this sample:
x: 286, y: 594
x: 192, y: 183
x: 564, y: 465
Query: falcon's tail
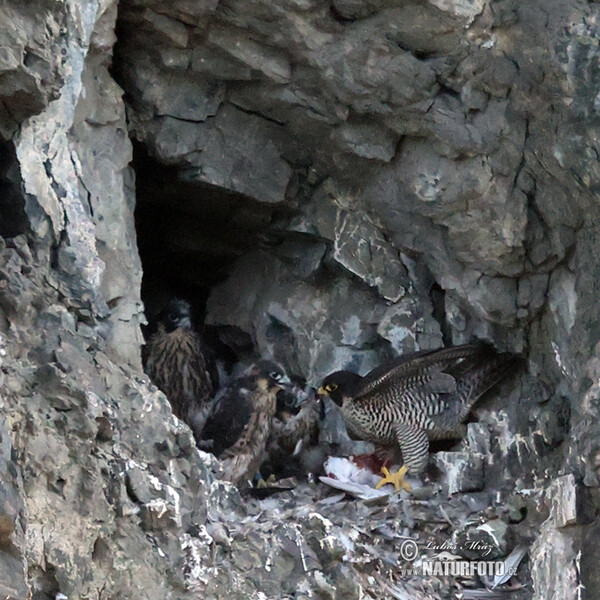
x: 476, y: 375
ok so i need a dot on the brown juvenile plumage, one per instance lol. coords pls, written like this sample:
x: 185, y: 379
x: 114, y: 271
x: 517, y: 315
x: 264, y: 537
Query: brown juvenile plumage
x: 293, y: 449
x: 240, y: 421
x: 291, y: 429
x: 177, y: 365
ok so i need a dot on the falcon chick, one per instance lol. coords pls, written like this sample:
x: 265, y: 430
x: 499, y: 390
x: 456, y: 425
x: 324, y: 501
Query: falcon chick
x: 178, y: 364
x: 416, y: 398
x: 293, y: 449
x: 240, y: 421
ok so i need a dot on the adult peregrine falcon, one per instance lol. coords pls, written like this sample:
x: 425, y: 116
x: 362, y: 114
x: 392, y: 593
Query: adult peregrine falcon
x: 240, y: 421
x: 177, y: 363
x: 416, y: 398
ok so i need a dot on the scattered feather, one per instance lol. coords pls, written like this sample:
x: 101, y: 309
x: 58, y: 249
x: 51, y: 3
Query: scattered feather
x: 511, y: 563
x: 346, y: 470
x: 485, y: 594
x: 364, y: 492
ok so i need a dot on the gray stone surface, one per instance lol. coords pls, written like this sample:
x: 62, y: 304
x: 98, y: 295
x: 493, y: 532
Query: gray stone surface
x: 13, y: 565
x: 31, y: 60
x: 394, y: 176
x: 485, y: 541
x: 464, y: 472
x: 310, y: 332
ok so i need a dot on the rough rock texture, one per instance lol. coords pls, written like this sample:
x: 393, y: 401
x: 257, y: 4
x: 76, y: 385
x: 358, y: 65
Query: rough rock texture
x: 338, y: 182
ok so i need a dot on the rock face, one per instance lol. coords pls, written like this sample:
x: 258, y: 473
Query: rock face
x: 334, y: 183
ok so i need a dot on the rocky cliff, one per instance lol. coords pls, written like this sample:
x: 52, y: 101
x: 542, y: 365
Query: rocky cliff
x: 333, y: 183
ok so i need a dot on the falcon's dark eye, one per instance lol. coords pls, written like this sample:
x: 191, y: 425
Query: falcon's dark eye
x: 331, y: 387
x: 173, y: 317
x: 276, y: 376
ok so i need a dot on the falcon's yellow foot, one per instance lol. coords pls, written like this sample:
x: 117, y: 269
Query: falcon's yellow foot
x: 270, y: 481
x: 396, y: 478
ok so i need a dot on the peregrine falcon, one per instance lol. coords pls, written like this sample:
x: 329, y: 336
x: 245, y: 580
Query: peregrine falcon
x: 293, y: 448
x: 240, y: 421
x: 416, y: 398
x: 177, y: 363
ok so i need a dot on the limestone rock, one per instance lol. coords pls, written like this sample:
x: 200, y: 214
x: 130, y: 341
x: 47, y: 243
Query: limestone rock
x: 486, y: 541
x: 339, y: 182
x: 464, y: 472
x: 279, y: 309
x: 571, y: 502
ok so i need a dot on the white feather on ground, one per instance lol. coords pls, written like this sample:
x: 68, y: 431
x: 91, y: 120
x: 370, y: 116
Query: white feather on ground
x: 343, y: 474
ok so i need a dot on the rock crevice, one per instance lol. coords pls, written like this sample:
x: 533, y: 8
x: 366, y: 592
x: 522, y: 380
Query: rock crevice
x: 331, y: 184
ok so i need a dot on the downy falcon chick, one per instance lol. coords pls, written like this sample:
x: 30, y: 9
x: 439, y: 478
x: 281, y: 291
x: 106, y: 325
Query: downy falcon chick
x: 177, y: 363
x: 293, y: 448
x: 416, y: 398
x: 240, y: 421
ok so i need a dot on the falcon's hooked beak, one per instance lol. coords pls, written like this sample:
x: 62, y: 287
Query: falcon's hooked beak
x: 322, y: 392
x: 299, y: 395
x: 282, y: 380
x: 320, y: 396
x: 325, y: 390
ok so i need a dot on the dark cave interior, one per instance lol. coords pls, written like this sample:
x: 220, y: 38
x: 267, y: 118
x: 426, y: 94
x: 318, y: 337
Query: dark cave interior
x: 189, y: 236
x: 13, y: 220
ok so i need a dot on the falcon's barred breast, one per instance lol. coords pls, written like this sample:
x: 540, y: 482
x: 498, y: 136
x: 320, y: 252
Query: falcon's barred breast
x: 418, y: 397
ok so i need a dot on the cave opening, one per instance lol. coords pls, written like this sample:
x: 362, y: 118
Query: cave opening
x: 189, y: 237
x: 13, y: 221
x: 192, y: 237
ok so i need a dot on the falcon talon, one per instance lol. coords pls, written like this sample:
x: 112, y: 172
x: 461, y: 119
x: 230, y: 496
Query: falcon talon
x: 416, y: 398
x: 396, y: 479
